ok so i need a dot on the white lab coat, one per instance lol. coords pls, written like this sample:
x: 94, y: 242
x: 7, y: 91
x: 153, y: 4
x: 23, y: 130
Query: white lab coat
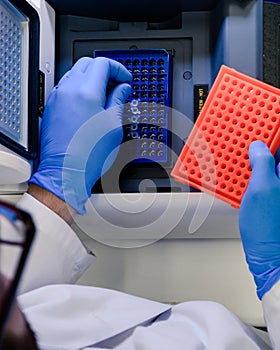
x: 67, y: 316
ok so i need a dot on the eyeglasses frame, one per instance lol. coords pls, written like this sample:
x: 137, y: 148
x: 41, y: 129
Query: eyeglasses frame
x: 29, y: 232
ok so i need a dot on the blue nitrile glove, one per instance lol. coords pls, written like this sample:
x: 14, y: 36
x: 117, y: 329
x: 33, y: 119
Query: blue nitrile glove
x: 259, y: 219
x: 82, y: 129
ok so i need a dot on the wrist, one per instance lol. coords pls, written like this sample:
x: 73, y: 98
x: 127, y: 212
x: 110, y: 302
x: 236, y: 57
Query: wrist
x: 53, y: 202
x: 66, y: 183
x: 264, y: 285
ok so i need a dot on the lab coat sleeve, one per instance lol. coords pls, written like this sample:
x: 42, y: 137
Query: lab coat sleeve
x: 271, y: 308
x: 57, y: 255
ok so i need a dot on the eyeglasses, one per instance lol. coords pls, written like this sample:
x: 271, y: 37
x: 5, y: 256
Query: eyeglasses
x: 17, y: 231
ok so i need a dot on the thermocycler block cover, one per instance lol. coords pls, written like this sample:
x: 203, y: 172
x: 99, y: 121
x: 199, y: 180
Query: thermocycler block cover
x: 238, y: 110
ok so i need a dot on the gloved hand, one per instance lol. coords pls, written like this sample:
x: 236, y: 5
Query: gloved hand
x: 82, y: 129
x: 259, y: 219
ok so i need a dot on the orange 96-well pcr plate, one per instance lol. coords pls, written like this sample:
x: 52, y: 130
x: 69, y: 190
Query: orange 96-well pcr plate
x: 238, y: 110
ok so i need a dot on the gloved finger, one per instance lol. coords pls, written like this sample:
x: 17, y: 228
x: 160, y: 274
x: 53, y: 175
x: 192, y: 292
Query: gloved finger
x: 118, y: 95
x: 111, y: 69
x: 262, y: 162
x: 99, y: 71
x: 82, y: 64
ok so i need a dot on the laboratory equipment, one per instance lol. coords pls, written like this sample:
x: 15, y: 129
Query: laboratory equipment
x: 238, y: 111
x: 19, y: 69
x: 200, y: 232
x: 199, y: 37
x: 146, y: 120
x: 23, y: 88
